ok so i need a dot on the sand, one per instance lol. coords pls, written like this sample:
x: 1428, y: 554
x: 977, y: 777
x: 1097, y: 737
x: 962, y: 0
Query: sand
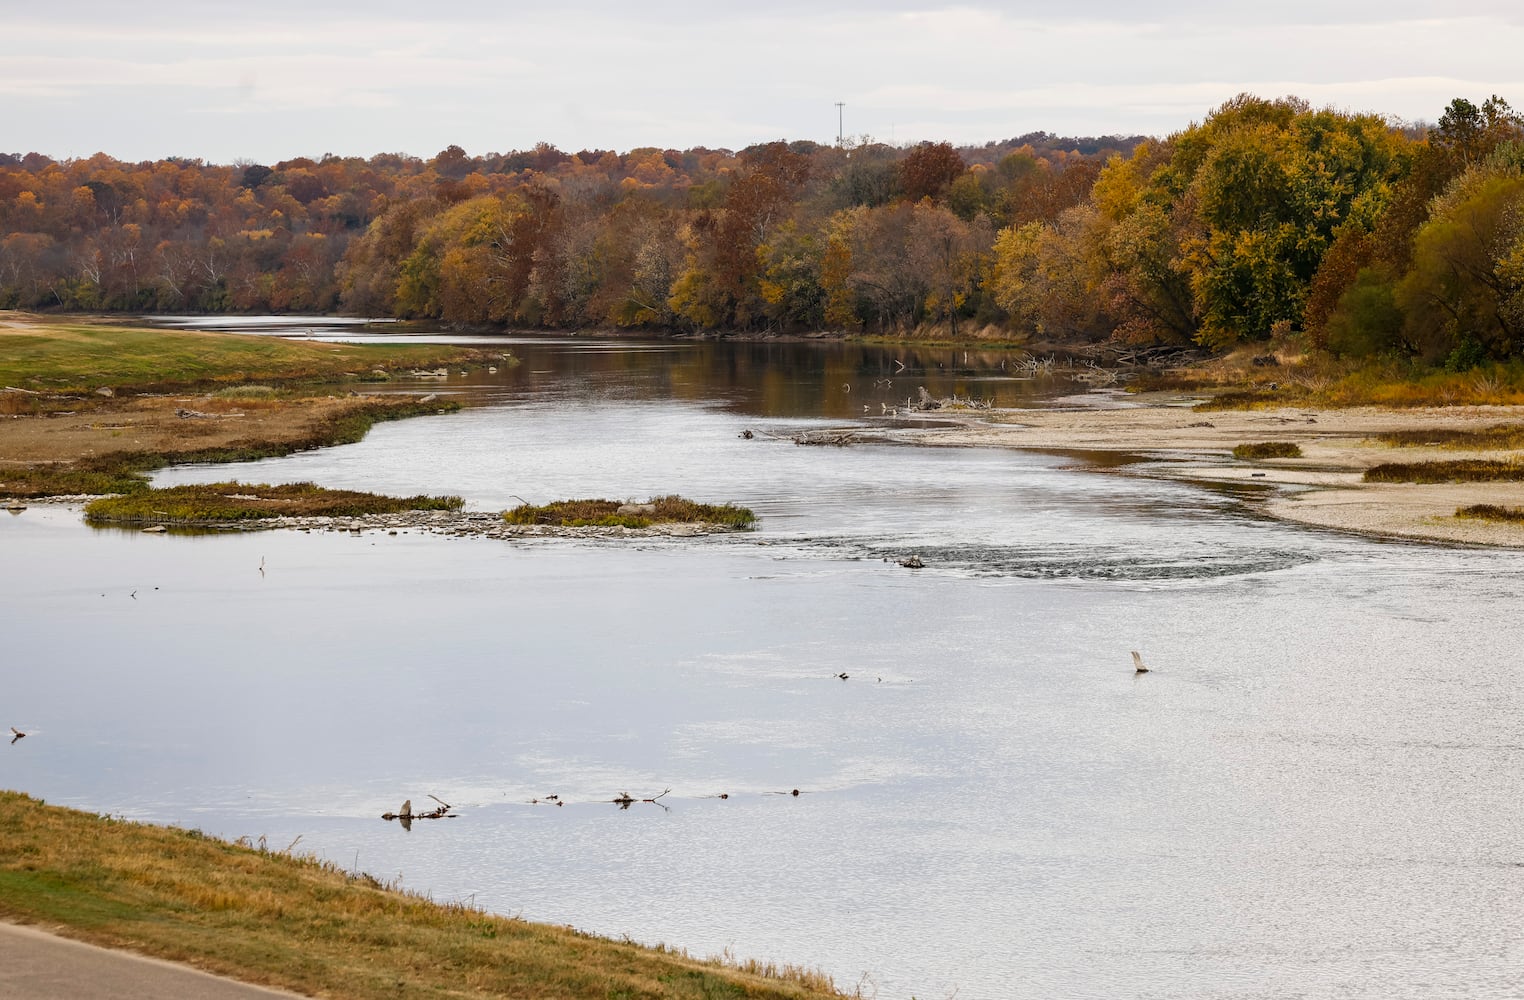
x: 1321, y: 488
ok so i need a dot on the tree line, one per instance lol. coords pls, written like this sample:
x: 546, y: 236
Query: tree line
x: 1268, y: 216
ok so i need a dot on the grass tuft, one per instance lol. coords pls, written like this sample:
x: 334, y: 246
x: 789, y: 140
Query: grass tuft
x: 1500, y: 437
x: 1491, y: 512
x: 605, y: 513
x: 221, y: 503
x: 1268, y: 449
x: 1473, y: 470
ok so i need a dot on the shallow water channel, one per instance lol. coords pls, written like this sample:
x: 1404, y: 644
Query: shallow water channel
x: 1316, y: 792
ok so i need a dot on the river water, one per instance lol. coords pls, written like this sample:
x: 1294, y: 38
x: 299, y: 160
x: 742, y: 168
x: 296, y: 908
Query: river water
x: 1316, y: 791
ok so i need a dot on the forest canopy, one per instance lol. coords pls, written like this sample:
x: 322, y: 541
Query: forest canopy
x: 1363, y: 235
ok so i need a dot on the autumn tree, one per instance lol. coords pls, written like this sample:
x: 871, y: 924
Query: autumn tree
x: 929, y: 169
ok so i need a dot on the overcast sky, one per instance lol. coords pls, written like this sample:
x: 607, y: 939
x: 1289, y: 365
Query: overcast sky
x: 270, y: 79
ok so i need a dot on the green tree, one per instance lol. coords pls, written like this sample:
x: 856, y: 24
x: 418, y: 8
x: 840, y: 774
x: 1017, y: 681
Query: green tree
x: 1465, y: 281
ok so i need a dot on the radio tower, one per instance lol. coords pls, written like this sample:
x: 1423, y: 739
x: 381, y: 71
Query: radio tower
x: 841, y: 136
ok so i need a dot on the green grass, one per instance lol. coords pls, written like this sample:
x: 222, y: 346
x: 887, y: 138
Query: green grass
x: 306, y: 925
x: 1491, y: 512
x: 1499, y: 437
x: 1462, y: 471
x: 605, y: 513
x: 1268, y: 449
x: 67, y: 480
x: 221, y: 503
x: 79, y: 357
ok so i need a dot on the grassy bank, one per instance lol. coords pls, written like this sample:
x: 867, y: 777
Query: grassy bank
x: 616, y: 513
x: 77, y: 356
x: 304, y: 925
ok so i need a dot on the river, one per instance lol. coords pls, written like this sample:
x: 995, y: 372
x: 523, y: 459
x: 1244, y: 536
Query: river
x: 1314, y: 793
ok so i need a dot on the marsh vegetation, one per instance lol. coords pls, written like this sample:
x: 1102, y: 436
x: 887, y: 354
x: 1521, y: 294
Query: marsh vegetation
x: 221, y: 503
x: 1469, y: 470
x: 616, y: 513
x: 1268, y: 449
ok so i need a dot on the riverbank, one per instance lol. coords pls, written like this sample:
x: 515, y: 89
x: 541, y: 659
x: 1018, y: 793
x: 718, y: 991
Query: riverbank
x: 297, y: 923
x: 87, y: 407
x: 1323, y: 487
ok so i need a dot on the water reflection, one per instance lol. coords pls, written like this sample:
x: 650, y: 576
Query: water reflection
x: 764, y: 379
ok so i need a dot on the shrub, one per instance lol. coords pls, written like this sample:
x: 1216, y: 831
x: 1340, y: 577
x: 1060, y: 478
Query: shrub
x: 1491, y: 512
x: 1268, y: 449
x: 1463, y: 471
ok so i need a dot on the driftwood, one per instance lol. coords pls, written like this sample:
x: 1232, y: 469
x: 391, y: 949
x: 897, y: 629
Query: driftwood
x: 406, y: 815
x: 925, y: 401
x: 834, y: 438
x: 624, y: 800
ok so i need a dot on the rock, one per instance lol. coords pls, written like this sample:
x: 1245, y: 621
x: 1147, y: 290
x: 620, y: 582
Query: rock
x: 106, y: 391
x: 429, y: 398
x: 155, y: 529
x: 636, y: 509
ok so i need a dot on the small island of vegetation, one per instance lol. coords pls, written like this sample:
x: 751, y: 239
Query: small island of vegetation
x: 234, y: 502
x: 619, y: 514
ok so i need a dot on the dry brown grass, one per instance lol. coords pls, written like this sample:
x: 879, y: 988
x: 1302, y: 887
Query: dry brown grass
x: 1268, y: 449
x: 304, y: 925
x: 1467, y: 470
x: 1491, y: 512
x: 1499, y: 437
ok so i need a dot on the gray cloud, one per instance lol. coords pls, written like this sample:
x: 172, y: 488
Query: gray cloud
x: 281, y: 78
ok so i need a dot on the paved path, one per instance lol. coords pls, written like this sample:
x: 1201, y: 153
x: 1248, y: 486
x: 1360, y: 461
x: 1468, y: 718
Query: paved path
x: 35, y: 965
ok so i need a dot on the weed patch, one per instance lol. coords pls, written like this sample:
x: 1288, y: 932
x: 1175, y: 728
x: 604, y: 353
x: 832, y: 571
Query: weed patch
x: 1268, y: 449
x: 1492, y: 512
x: 607, y: 513
x: 1501, y: 437
x: 221, y: 503
x: 1462, y: 471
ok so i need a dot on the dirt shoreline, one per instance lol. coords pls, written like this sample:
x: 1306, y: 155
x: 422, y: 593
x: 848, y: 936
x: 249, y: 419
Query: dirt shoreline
x: 1322, y: 488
